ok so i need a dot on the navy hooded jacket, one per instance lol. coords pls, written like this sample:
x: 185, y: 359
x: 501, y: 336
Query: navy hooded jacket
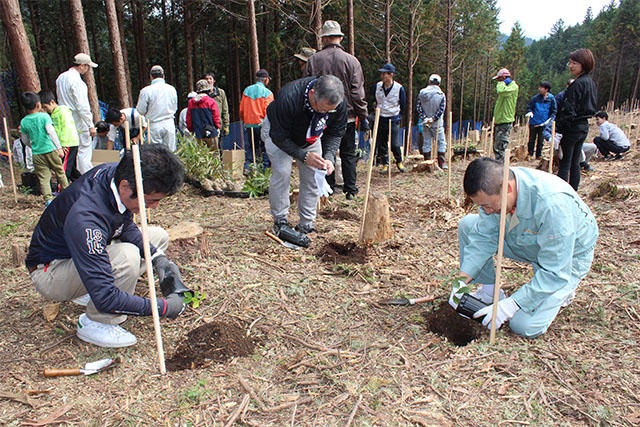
x: 79, y: 224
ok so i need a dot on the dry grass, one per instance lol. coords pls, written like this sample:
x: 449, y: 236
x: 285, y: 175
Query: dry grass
x: 328, y: 354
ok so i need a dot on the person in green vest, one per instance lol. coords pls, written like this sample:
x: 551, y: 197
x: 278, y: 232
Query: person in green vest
x: 504, y: 112
x: 65, y: 128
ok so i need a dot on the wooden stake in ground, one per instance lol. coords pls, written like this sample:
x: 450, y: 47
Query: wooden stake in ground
x: 466, y: 145
x: 146, y: 248
x: 389, y: 156
x: 9, y: 154
x: 490, y: 140
x: 449, y: 150
x: 372, y: 153
x: 253, y: 149
x: 503, y: 221
x: 553, y: 145
x: 148, y: 142
x: 408, y: 139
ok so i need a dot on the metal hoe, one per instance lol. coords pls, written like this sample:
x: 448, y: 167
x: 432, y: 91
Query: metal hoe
x: 405, y: 301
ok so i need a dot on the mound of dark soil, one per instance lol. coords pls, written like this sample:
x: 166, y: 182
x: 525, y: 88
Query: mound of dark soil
x: 339, y: 253
x: 446, y: 322
x: 210, y: 343
x: 182, y: 250
x: 338, y: 214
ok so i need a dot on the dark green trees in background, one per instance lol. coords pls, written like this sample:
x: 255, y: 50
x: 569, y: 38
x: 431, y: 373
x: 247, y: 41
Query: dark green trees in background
x: 458, y: 39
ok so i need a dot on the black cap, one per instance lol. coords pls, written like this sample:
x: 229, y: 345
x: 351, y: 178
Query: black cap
x: 262, y: 73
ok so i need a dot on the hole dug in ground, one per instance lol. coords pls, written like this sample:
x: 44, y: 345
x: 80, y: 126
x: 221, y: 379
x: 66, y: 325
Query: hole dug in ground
x: 445, y: 322
x: 213, y: 342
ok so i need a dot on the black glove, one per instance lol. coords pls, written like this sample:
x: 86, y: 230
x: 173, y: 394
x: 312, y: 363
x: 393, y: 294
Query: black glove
x: 364, y: 125
x: 168, y: 276
x: 171, y: 306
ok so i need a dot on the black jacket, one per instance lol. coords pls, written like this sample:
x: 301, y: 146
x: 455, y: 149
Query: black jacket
x: 289, y: 120
x: 578, y: 105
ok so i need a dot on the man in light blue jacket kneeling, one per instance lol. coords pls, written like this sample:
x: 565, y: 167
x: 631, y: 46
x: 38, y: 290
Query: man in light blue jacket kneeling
x: 548, y: 226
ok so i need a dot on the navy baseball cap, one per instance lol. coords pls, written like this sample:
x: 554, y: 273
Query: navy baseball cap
x: 387, y: 68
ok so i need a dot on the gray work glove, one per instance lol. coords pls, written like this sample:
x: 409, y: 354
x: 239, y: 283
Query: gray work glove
x: 171, y: 307
x: 168, y: 276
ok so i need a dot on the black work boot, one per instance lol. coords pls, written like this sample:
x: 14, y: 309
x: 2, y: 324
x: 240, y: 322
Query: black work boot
x: 283, y: 230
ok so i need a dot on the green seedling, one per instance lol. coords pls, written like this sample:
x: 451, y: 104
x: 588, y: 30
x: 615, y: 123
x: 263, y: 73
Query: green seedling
x: 199, y: 161
x: 257, y: 183
x: 453, y: 282
x: 194, y: 298
x: 8, y: 227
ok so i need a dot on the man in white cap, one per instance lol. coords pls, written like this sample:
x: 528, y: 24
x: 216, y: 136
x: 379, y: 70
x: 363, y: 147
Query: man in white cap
x: 333, y: 60
x: 504, y: 112
x: 430, y: 106
x: 158, y: 102
x: 73, y: 93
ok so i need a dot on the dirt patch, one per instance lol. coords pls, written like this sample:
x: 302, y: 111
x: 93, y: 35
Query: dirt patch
x: 182, y: 250
x: 343, y: 253
x: 446, y: 322
x: 210, y: 343
x: 338, y: 214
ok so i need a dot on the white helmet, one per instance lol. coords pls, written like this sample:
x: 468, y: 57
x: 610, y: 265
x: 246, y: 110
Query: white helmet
x: 435, y: 78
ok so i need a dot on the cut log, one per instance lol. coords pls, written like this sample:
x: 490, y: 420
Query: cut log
x: 185, y: 230
x: 425, y: 166
x: 519, y: 153
x: 18, y: 254
x: 377, y: 221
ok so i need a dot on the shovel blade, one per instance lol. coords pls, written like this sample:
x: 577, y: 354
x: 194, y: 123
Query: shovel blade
x: 97, y: 366
x: 394, y: 301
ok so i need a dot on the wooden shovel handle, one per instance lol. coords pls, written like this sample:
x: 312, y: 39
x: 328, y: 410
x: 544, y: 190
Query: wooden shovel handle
x: 61, y: 372
x: 273, y: 236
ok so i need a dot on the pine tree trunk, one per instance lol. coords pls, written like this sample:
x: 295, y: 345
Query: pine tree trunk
x: 461, y: 101
x: 123, y: 49
x: 19, y: 44
x: 316, y: 10
x: 66, y: 30
x: 635, y: 86
x: 449, y: 54
x: 188, y: 44
x: 141, y: 48
x: 176, y: 81
x: 475, y: 96
x: 387, y: 30
x: 116, y: 50
x: 165, y: 32
x: 408, y: 119
x: 350, y: 28
x: 253, y: 34
x: 277, y: 74
x: 236, y: 69
x: 82, y: 45
x: 35, y: 29
x: 96, y: 53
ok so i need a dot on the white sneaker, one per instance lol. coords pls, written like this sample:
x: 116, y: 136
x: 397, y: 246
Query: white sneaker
x: 83, y: 300
x: 104, y: 335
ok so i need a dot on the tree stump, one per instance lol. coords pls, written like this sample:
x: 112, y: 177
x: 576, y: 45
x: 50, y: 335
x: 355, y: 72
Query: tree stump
x: 519, y: 154
x: 185, y: 230
x: 425, y: 166
x: 377, y: 221
x: 18, y: 254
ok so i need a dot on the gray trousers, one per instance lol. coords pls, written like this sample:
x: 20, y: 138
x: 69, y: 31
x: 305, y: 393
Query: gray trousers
x: 280, y: 180
x: 61, y: 282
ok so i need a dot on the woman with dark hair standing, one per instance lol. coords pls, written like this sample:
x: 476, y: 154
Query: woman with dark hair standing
x: 572, y: 120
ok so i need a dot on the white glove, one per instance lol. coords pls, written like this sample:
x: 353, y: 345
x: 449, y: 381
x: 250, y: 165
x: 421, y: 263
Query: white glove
x: 507, y: 308
x: 485, y: 294
x: 456, y: 294
x: 529, y: 115
x: 323, y: 186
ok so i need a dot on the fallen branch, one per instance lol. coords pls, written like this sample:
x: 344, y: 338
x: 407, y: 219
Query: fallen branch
x: 245, y: 385
x: 234, y: 417
x: 319, y: 347
x: 354, y: 411
x: 289, y: 404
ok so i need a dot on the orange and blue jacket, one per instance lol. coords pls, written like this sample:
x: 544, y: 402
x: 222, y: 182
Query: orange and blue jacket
x: 253, y: 106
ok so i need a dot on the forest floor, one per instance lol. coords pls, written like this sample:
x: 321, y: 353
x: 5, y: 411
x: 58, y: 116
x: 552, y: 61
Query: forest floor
x: 321, y: 350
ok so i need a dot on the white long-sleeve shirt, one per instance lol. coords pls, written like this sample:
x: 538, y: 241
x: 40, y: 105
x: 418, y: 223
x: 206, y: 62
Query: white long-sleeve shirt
x: 73, y: 93
x: 138, y: 123
x: 158, y: 101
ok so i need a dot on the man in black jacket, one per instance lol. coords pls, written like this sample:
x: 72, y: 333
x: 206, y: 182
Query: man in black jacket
x: 307, y: 119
